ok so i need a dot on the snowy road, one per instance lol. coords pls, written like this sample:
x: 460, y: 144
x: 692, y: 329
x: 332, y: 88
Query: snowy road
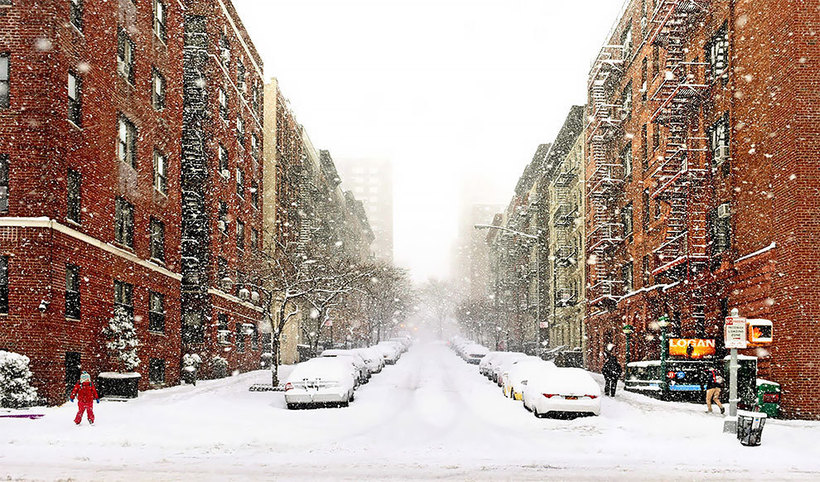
x: 431, y: 416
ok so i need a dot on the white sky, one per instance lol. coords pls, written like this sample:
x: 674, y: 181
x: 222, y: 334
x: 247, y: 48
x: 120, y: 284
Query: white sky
x: 456, y: 93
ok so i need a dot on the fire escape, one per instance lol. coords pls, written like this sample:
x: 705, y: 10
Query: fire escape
x: 679, y: 179
x: 606, y: 178
x: 566, y: 251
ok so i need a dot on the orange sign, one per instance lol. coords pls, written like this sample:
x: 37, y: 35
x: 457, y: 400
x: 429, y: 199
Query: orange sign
x: 691, y: 347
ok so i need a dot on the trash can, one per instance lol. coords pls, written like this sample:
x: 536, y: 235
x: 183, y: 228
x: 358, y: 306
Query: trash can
x: 768, y: 397
x: 750, y: 427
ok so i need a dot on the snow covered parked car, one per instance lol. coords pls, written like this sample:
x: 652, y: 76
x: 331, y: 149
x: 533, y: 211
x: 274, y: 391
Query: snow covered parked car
x: 373, y: 359
x: 355, y: 358
x: 504, y: 365
x: 563, y: 390
x: 521, y: 372
x: 473, y: 353
x: 390, y: 352
x: 320, y: 382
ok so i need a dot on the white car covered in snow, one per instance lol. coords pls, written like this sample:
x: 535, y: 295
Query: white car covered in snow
x: 473, y: 353
x: 321, y: 382
x: 353, y: 357
x: 373, y: 358
x: 390, y: 352
x: 563, y: 391
x: 521, y: 372
x: 503, y: 366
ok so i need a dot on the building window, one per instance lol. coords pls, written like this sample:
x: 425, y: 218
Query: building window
x: 240, y: 76
x: 626, y: 102
x: 240, y: 130
x: 4, y: 183
x: 644, y: 86
x: 124, y: 299
x: 5, y: 86
x: 223, y: 104
x: 644, y: 148
x: 256, y: 100
x: 4, y: 284
x: 125, y: 56
x: 254, y: 239
x: 717, y: 53
x: 223, y: 162
x: 656, y: 136
x: 255, y: 194
x: 240, y: 182
x: 156, y: 312
x: 160, y: 172
x: 158, y: 90
x: 75, y: 99
x: 76, y: 13
x: 159, y: 20
x: 240, y: 234
x: 124, y: 223
x: 719, y: 141
x: 157, y: 240
x: 225, y: 51
x: 192, y: 327
x: 222, y: 222
x: 156, y: 371
x: 656, y: 60
x: 255, y: 146
x: 222, y: 272
x: 241, y: 279
x: 626, y: 219
x: 647, y: 270
x: 223, y: 330
x: 74, y: 182
x: 627, y: 276
x: 254, y: 338
x: 127, y: 142
x: 626, y: 161
x: 240, y: 338
x: 646, y: 210
x: 72, y: 291
x: 626, y: 42
x: 721, y: 228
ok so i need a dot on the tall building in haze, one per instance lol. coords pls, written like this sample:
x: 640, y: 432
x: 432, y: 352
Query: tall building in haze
x: 371, y: 181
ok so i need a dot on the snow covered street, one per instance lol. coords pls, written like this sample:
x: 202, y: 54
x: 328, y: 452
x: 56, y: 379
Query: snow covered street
x: 431, y: 416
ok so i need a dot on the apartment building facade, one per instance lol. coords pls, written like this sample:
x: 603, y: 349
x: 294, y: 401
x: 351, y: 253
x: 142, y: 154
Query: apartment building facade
x: 701, y: 149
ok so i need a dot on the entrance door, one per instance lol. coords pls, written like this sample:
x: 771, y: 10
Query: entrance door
x: 73, y: 369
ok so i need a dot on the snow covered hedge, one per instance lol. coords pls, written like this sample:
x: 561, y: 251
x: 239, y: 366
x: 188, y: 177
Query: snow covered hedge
x: 15, y: 381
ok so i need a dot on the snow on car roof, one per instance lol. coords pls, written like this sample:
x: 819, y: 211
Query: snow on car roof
x: 566, y: 380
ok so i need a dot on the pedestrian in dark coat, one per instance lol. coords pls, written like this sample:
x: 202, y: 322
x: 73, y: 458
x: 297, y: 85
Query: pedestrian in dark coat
x: 86, y: 395
x: 612, y: 372
x: 713, y: 382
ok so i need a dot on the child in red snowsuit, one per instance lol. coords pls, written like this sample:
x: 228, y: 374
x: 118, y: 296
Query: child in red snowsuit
x: 86, y: 394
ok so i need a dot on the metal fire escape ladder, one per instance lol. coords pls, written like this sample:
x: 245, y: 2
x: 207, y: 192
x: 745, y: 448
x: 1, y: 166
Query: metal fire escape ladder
x: 679, y: 179
x: 604, y: 122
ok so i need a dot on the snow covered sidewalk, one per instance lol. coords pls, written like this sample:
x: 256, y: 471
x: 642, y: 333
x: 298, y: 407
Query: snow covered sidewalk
x: 430, y: 416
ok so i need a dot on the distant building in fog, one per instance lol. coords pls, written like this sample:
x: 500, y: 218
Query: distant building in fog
x: 471, y: 268
x: 371, y: 181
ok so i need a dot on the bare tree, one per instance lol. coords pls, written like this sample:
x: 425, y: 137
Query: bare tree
x: 388, y: 297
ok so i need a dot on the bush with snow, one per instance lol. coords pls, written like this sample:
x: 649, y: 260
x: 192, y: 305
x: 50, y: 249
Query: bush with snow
x: 122, y: 340
x: 219, y: 367
x: 15, y: 381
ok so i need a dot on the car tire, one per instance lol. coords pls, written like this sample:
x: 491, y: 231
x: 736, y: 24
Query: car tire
x: 291, y: 406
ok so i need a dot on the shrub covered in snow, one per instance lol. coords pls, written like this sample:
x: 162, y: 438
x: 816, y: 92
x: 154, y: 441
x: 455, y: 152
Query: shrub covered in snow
x: 219, y: 367
x: 122, y: 339
x: 15, y: 381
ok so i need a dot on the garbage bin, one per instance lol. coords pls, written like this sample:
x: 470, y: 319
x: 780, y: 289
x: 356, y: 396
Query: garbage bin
x: 768, y: 397
x: 750, y: 427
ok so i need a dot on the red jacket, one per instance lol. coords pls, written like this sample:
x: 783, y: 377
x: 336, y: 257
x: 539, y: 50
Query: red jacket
x: 87, y: 393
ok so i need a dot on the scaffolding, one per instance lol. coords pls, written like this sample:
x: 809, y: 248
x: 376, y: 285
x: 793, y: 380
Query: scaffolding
x: 604, y: 123
x: 679, y: 178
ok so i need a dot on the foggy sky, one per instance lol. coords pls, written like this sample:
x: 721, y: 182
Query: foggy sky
x: 456, y: 93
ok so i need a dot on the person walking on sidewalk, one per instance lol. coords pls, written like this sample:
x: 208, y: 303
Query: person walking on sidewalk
x: 86, y: 394
x: 713, y: 382
x: 612, y: 372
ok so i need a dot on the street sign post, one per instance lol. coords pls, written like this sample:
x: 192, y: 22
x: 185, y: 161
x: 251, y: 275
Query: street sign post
x: 734, y: 335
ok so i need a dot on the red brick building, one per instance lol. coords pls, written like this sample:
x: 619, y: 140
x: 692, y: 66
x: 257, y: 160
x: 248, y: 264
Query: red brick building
x: 91, y: 110
x: 703, y: 174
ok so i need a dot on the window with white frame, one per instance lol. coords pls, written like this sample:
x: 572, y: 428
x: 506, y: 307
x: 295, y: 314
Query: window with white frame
x: 76, y: 13
x: 717, y: 53
x: 127, y: 142
x: 223, y: 162
x: 124, y: 222
x: 158, y: 90
x: 240, y: 235
x: 157, y: 240
x: 223, y: 103
x: 75, y: 99
x: 5, y: 86
x: 240, y: 129
x: 125, y: 56
x: 160, y: 172
x: 74, y: 182
x: 240, y: 182
x: 156, y: 312
x: 159, y: 20
x: 719, y: 140
x: 626, y: 219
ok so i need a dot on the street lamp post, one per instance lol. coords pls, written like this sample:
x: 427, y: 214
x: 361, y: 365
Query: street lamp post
x: 663, y: 322
x: 627, y: 330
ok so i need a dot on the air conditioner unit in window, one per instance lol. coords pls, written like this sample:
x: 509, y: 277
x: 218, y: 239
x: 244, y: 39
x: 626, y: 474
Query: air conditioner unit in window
x: 724, y: 210
x: 721, y: 155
